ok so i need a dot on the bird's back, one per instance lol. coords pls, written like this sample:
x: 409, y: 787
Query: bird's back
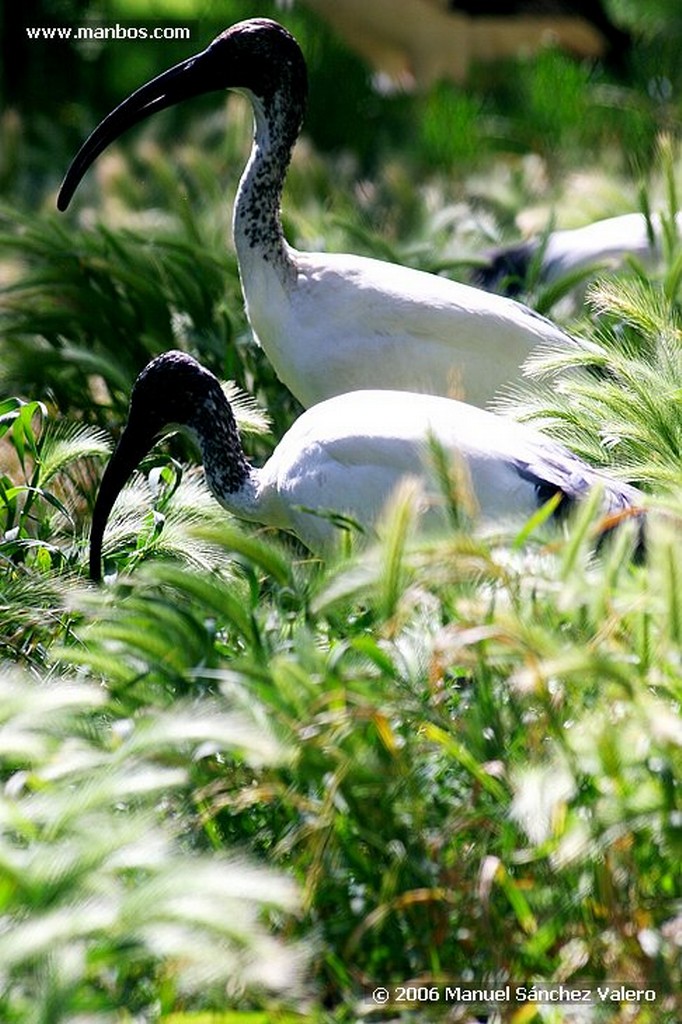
x: 351, y: 322
x: 349, y: 453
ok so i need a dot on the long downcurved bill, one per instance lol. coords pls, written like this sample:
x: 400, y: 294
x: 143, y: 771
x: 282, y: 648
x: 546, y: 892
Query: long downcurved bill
x: 132, y: 447
x: 192, y: 77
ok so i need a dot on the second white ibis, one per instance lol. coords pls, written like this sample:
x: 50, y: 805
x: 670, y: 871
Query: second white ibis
x: 347, y: 455
x: 329, y: 323
x: 601, y: 245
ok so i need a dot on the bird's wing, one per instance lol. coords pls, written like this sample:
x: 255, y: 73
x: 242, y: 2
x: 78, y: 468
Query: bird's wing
x: 550, y: 467
x: 348, y: 454
x: 389, y: 326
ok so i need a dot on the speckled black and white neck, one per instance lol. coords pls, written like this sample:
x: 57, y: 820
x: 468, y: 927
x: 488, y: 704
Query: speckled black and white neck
x: 214, y: 427
x: 278, y: 100
x: 257, y: 222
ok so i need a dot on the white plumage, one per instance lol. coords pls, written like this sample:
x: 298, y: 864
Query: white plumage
x: 351, y: 323
x: 349, y: 454
x: 330, y: 323
x: 602, y: 245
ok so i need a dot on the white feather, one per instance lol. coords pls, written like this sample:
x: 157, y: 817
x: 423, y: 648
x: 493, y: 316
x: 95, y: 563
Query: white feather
x: 350, y: 322
x: 349, y: 454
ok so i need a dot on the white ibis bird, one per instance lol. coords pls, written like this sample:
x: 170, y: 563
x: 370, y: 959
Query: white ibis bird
x: 345, y: 456
x: 602, y: 244
x: 418, y: 42
x: 329, y: 323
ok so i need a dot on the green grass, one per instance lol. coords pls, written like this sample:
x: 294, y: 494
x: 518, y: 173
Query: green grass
x: 244, y: 786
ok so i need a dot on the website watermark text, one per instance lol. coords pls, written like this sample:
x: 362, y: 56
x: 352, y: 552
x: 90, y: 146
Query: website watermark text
x: 88, y: 33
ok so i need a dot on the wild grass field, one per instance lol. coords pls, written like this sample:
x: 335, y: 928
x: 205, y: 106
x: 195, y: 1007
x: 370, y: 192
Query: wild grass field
x: 241, y: 784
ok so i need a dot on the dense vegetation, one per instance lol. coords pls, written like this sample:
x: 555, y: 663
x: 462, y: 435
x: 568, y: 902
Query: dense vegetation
x: 241, y: 785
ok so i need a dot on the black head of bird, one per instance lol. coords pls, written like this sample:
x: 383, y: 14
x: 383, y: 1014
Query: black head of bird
x: 173, y: 390
x: 257, y: 56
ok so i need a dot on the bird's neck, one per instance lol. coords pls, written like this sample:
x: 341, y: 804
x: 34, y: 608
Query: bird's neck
x: 228, y: 471
x: 257, y: 225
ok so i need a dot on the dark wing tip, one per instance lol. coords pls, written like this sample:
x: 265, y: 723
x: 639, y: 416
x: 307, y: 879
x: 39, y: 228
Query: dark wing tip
x: 506, y: 270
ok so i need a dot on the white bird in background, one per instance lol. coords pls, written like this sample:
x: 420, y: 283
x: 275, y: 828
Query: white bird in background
x: 347, y: 455
x: 419, y: 42
x: 604, y: 244
x: 329, y: 323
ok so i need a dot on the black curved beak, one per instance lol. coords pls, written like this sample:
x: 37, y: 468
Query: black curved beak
x: 205, y: 72
x: 132, y: 447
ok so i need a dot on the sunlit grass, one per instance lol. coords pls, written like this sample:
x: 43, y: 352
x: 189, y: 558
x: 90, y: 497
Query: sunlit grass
x: 98, y: 892
x: 494, y: 740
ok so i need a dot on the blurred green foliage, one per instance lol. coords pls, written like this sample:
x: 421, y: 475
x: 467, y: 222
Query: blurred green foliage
x: 548, y: 102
